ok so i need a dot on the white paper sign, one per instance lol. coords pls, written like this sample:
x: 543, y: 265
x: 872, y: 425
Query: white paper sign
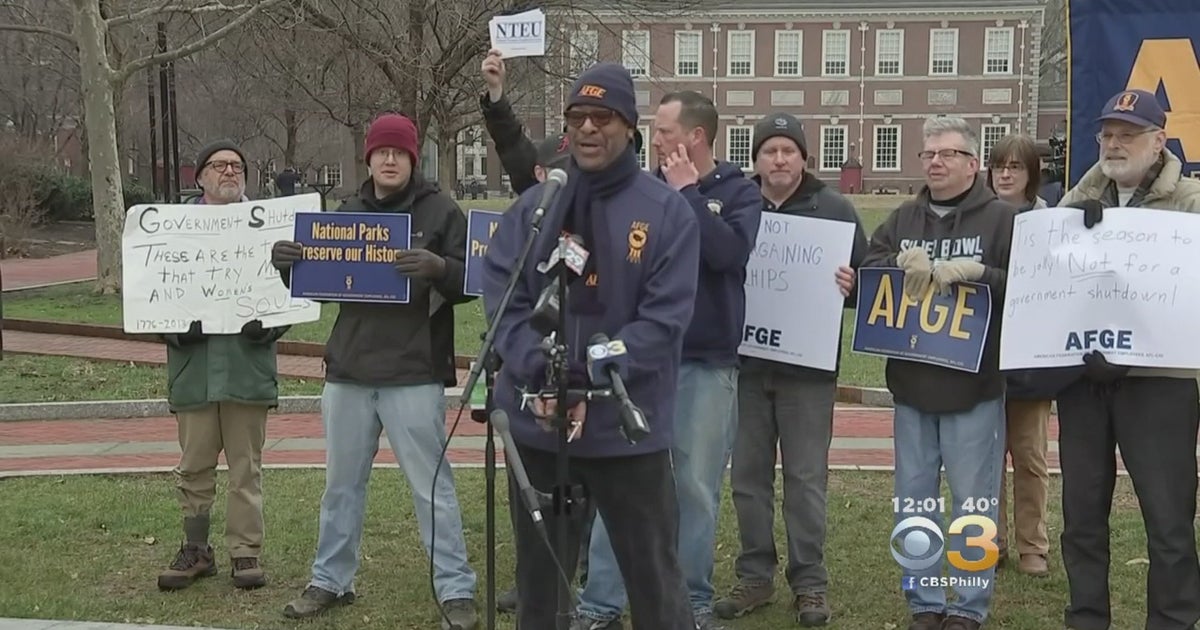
x: 793, y: 305
x: 212, y: 263
x: 520, y: 35
x: 1129, y: 288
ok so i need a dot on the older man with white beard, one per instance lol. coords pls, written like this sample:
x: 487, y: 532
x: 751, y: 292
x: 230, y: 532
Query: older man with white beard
x: 1152, y: 415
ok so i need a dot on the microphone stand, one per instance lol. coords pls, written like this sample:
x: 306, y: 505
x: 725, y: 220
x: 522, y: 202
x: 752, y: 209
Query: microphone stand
x: 488, y: 361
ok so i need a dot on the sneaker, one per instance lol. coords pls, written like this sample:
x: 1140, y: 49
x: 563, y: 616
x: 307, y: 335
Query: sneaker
x: 812, y: 609
x: 314, y: 601
x: 960, y: 623
x: 708, y: 622
x: 744, y: 599
x: 191, y: 562
x: 583, y: 623
x: 460, y: 614
x: 248, y: 574
x: 507, y: 601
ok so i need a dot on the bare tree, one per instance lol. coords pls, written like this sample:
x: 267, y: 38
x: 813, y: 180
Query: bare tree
x: 104, y: 69
x: 1053, y: 66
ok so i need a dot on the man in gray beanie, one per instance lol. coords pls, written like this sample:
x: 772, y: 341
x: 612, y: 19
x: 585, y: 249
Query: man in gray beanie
x: 789, y: 407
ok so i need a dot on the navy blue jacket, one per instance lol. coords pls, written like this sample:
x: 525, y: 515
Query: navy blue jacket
x: 728, y: 207
x: 649, y: 300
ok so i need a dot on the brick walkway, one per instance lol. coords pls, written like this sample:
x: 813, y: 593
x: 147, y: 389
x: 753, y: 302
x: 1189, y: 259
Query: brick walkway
x: 21, y: 273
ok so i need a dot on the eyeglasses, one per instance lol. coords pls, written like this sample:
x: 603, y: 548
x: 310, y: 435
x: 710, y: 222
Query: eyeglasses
x: 1125, y: 137
x: 945, y: 154
x: 1015, y: 167
x: 389, y: 154
x: 600, y: 117
x: 220, y: 166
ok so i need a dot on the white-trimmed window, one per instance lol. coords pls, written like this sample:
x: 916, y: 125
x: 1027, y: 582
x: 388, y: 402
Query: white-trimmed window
x: 738, y: 140
x: 635, y: 52
x: 789, y: 46
x: 889, y: 52
x: 644, y: 154
x: 989, y: 135
x: 585, y: 46
x: 998, y: 50
x: 833, y: 147
x: 887, y: 148
x: 332, y: 174
x: 943, y: 51
x: 835, y: 53
x: 741, y: 54
x: 687, y: 53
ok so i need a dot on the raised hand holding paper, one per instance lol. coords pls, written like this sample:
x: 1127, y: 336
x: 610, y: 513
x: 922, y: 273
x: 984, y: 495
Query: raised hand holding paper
x: 209, y: 263
x: 520, y: 35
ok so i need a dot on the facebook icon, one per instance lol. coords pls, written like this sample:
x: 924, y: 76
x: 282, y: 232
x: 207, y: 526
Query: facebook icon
x: 908, y: 583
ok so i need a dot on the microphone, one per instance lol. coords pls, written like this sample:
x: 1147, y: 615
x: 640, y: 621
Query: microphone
x: 555, y: 180
x: 569, y: 255
x: 526, y: 490
x: 607, y: 362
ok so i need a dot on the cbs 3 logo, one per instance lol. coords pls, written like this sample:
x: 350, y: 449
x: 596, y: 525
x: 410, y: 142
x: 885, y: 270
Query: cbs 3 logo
x: 913, y: 543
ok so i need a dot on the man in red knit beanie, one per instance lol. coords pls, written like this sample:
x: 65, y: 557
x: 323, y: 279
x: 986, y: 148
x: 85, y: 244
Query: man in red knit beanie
x: 387, y: 367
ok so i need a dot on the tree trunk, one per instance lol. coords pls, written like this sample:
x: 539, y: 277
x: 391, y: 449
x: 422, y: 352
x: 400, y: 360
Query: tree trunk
x: 108, y: 201
x: 359, y: 131
x: 447, y: 160
x: 291, y: 129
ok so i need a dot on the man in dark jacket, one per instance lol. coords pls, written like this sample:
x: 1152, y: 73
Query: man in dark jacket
x: 387, y: 366
x: 518, y: 154
x: 787, y: 407
x: 639, y: 287
x: 728, y: 209
x: 954, y: 230
x: 220, y: 388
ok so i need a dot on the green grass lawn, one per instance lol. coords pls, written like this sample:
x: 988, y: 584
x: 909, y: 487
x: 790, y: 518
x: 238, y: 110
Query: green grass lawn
x: 66, y: 559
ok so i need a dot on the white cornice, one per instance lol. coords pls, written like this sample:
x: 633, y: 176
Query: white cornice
x: 800, y: 15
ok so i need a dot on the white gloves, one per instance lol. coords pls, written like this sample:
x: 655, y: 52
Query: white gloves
x: 918, y: 272
x: 947, y: 272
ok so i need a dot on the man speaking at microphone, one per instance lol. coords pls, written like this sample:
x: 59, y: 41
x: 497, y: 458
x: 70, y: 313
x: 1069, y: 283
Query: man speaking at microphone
x: 638, y: 286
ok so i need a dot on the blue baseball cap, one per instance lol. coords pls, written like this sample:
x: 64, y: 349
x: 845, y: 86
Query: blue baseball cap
x: 1135, y: 106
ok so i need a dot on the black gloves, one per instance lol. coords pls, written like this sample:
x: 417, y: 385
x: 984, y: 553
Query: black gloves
x: 1093, y: 211
x: 420, y: 263
x: 254, y: 331
x: 284, y: 253
x: 194, y: 334
x: 1100, y: 370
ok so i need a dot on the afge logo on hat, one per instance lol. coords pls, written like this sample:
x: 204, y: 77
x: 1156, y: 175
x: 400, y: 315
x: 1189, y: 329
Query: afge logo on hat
x: 781, y: 123
x: 1126, y: 102
x: 592, y: 91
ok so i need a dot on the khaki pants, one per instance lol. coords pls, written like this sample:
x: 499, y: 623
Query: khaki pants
x: 240, y: 431
x: 1027, y: 422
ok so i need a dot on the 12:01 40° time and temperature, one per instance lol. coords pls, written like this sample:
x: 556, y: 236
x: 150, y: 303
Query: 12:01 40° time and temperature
x: 931, y: 505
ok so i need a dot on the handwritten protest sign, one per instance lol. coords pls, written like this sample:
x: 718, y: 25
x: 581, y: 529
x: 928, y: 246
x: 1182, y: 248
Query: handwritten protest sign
x: 481, y: 224
x: 793, y: 305
x: 949, y: 331
x: 351, y: 257
x: 209, y: 263
x: 1129, y: 287
x: 520, y: 35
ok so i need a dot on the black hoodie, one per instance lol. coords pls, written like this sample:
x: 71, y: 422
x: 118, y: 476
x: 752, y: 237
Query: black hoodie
x: 405, y: 344
x: 980, y: 227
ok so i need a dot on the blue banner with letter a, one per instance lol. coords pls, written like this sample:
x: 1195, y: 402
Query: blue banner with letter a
x: 1115, y: 45
x: 949, y: 331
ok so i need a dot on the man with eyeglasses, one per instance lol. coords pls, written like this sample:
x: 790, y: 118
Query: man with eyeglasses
x: 954, y: 230
x: 386, y: 369
x: 220, y: 388
x: 1151, y: 415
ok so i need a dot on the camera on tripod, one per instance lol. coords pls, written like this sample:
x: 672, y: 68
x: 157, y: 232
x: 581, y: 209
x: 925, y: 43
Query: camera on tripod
x: 1055, y: 170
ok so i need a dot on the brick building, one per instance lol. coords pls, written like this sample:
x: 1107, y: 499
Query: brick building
x: 862, y: 76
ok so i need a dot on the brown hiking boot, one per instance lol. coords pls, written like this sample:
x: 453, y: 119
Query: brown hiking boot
x: 926, y: 621
x: 744, y: 599
x: 314, y: 601
x: 191, y: 562
x: 812, y: 609
x: 248, y: 573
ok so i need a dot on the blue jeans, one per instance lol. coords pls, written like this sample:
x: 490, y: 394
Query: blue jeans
x: 414, y: 418
x: 970, y: 445
x: 705, y: 426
